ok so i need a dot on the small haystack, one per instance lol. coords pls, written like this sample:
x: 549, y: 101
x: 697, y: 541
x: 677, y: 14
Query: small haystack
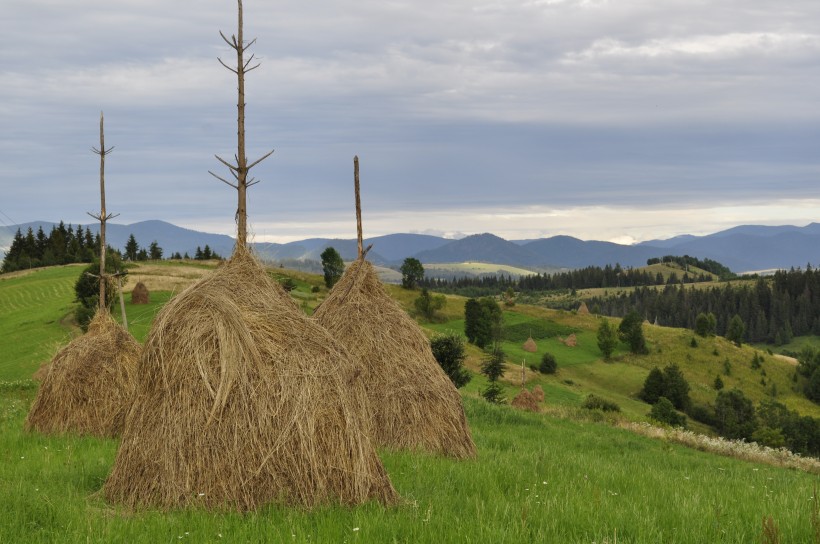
x: 88, y: 386
x: 140, y: 294
x: 242, y: 400
x: 525, y: 401
x: 538, y: 393
x: 530, y: 345
x: 570, y: 341
x: 582, y: 309
x: 415, y: 405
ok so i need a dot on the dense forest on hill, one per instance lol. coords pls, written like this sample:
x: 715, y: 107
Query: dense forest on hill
x: 773, y: 310
x: 63, y: 245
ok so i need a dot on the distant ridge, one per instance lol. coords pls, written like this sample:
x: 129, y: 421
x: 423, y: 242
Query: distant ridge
x: 742, y: 248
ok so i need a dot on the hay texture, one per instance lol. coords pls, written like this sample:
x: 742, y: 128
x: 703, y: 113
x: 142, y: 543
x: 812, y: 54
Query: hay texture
x: 530, y: 345
x: 582, y: 309
x: 241, y: 401
x: 87, y: 387
x: 570, y: 341
x: 140, y: 294
x: 538, y: 393
x: 415, y: 405
x: 525, y: 401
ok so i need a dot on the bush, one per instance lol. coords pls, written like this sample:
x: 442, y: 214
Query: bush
x: 594, y: 402
x: 664, y: 412
x: 448, y: 349
x: 702, y: 414
x: 548, y: 364
x: 693, y: 343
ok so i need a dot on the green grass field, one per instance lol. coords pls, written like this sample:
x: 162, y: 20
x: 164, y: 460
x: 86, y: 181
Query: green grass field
x: 538, y: 477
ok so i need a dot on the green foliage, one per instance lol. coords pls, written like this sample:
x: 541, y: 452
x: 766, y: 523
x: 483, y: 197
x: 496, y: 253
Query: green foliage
x: 287, y: 284
x: 630, y: 332
x: 664, y: 412
x: 493, y: 366
x: 483, y: 321
x: 756, y: 361
x: 594, y: 402
x: 736, y: 330
x: 428, y: 304
x: 154, y: 251
x: 718, y: 383
x: 607, y: 338
x: 813, y: 386
x: 670, y: 384
x: 734, y: 414
x: 412, y: 272
x: 706, y: 324
x: 332, y: 266
x: 654, y: 386
x: 693, y: 343
x: 131, y: 248
x: 540, y: 329
x: 548, y: 364
x: 448, y: 349
x: 87, y: 289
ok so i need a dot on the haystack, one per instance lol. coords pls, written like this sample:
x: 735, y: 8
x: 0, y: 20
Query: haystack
x: 525, y: 401
x: 40, y: 374
x: 529, y: 345
x: 88, y: 387
x: 538, y: 393
x: 570, y: 341
x: 415, y: 405
x: 140, y: 294
x: 582, y: 309
x: 242, y: 400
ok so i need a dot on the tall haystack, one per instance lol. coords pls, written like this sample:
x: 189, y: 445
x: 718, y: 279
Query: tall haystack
x: 530, y: 345
x: 140, y: 294
x: 88, y: 386
x: 242, y: 400
x: 582, y: 309
x: 525, y: 400
x: 538, y: 393
x: 414, y: 404
x: 89, y: 383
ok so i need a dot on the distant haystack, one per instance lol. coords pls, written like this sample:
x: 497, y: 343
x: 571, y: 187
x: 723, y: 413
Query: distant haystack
x: 415, y: 405
x: 582, y: 309
x: 525, y: 401
x: 570, y: 341
x: 88, y: 386
x: 538, y: 393
x: 530, y: 345
x: 242, y: 400
x: 140, y: 294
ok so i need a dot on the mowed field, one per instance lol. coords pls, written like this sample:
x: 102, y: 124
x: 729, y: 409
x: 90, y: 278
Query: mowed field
x: 537, y: 478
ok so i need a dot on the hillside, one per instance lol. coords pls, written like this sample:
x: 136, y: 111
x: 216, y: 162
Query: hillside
x: 566, y: 475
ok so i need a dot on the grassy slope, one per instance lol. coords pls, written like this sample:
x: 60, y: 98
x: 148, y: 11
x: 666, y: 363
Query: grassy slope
x: 599, y: 480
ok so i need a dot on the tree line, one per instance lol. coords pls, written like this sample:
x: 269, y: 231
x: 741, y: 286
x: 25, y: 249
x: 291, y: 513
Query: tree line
x: 773, y: 310
x: 63, y: 245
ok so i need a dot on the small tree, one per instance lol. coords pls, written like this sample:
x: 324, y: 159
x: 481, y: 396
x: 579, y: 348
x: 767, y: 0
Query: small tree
x: 718, y: 384
x: 548, y: 364
x: 412, y: 272
x: 631, y: 332
x: 654, y: 386
x: 607, y: 338
x: 705, y: 324
x: 332, y: 266
x: 483, y: 320
x: 131, y: 248
x: 664, y: 412
x: 448, y: 349
x: 493, y: 368
x: 676, y: 388
x: 734, y: 414
x: 154, y: 251
x: 736, y: 330
x: 427, y: 304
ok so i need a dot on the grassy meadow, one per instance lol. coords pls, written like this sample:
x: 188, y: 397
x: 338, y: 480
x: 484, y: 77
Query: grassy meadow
x: 537, y: 478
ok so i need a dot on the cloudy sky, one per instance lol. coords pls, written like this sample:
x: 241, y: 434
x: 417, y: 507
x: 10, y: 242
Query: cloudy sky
x: 614, y: 120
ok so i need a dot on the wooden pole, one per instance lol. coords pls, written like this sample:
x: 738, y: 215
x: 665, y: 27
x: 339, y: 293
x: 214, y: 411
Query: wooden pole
x: 358, y: 206
x: 103, y: 217
x: 122, y: 303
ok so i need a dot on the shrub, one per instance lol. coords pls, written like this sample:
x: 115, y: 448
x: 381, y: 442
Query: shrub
x: 594, y: 402
x: 548, y: 364
x: 448, y: 349
x: 664, y: 412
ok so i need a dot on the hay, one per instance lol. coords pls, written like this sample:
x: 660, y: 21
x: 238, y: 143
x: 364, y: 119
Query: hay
x: 241, y: 401
x: 525, y: 401
x: 529, y: 345
x: 88, y: 386
x: 538, y: 393
x: 415, y: 405
x: 582, y: 309
x: 140, y: 294
x: 41, y: 373
x: 570, y: 341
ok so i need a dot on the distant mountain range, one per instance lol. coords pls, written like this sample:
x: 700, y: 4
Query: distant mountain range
x: 743, y: 248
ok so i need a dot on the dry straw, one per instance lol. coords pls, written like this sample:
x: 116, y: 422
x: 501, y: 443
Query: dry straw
x: 140, y: 294
x: 242, y: 400
x: 525, y: 401
x: 538, y: 393
x: 87, y: 386
x: 415, y: 405
x: 530, y: 345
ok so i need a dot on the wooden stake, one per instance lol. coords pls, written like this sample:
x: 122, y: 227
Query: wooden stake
x: 240, y: 170
x: 358, y: 206
x: 103, y: 216
x: 122, y: 303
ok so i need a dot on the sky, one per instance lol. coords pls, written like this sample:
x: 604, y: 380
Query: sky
x: 618, y: 120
